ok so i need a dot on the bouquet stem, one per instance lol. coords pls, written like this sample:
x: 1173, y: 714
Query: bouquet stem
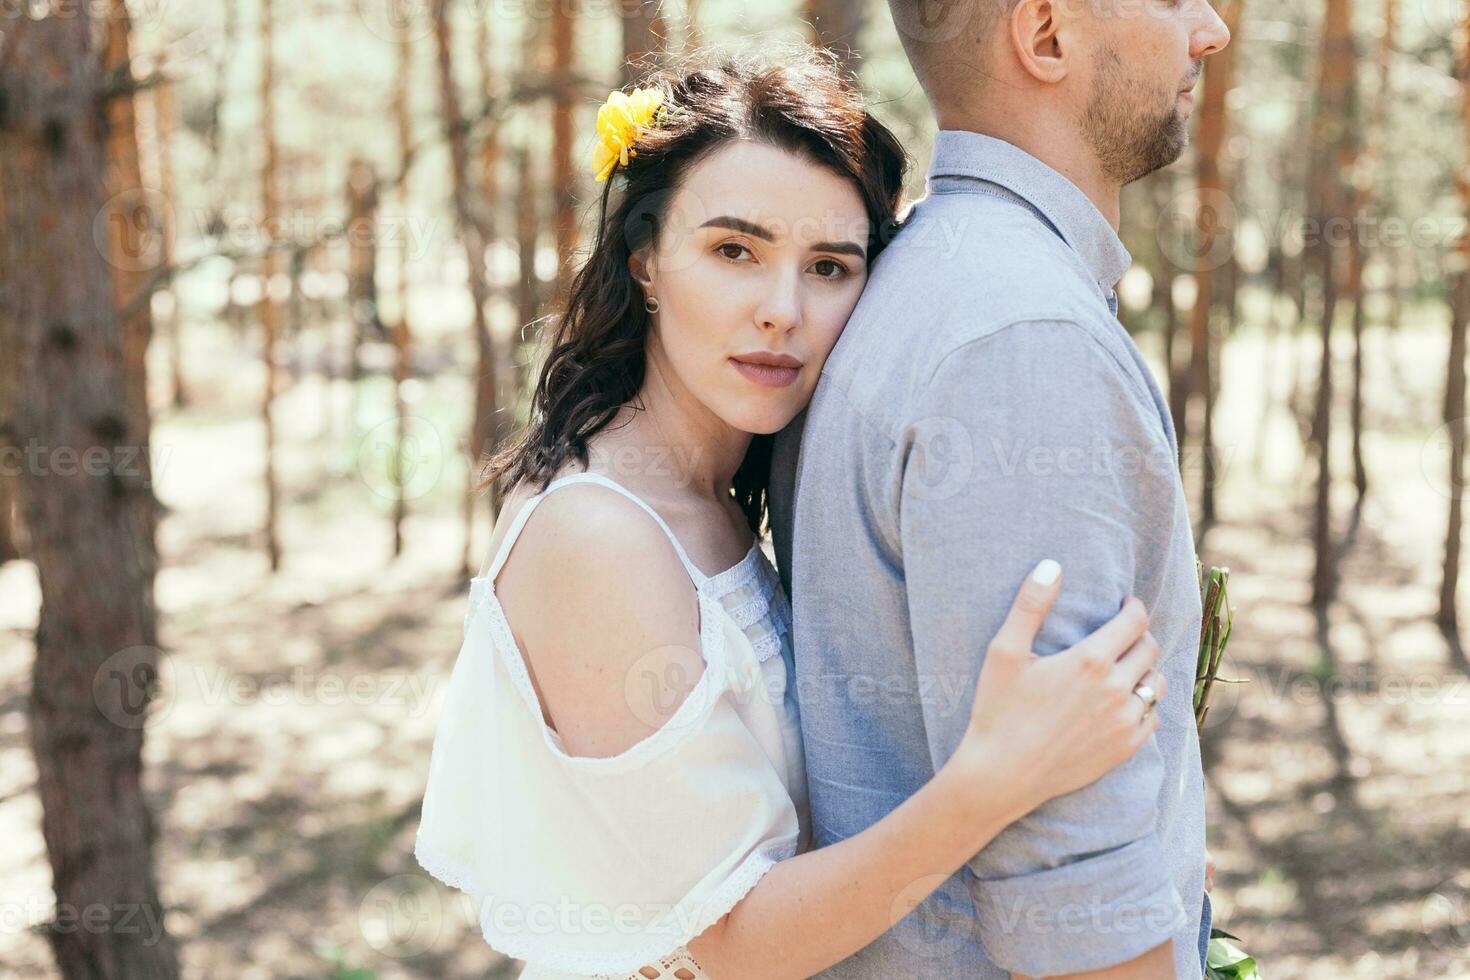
x: 1226, y: 961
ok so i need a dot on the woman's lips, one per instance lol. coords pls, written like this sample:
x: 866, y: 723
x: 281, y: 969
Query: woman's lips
x: 766, y: 374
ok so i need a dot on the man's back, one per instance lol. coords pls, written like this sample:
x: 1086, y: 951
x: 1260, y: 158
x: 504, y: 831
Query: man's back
x: 985, y: 410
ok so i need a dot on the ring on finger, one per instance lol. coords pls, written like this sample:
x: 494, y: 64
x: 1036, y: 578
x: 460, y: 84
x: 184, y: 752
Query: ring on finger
x: 1149, y: 697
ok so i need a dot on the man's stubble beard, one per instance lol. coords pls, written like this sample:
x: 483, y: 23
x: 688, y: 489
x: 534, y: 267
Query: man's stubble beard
x: 1129, y: 132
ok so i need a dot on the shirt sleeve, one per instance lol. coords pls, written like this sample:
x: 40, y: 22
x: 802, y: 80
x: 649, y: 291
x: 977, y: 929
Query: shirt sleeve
x: 1033, y: 442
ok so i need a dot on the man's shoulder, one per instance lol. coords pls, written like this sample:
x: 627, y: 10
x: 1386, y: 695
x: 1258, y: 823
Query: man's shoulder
x: 954, y: 275
x: 978, y: 244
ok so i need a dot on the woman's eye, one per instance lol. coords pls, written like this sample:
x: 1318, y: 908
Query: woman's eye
x: 733, y: 251
x: 829, y: 268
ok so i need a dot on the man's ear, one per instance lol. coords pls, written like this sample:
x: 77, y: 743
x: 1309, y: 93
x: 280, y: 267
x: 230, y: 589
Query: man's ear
x: 1035, y: 32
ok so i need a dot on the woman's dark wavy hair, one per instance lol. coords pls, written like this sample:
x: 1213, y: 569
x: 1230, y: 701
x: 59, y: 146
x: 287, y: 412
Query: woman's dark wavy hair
x: 595, y: 364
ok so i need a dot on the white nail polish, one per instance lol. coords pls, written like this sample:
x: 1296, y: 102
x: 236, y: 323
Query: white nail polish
x: 1046, y: 573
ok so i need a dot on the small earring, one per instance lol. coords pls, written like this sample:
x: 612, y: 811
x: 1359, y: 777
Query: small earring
x: 651, y: 304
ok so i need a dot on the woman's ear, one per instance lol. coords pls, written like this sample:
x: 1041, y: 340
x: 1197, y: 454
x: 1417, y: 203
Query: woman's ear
x: 641, y: 268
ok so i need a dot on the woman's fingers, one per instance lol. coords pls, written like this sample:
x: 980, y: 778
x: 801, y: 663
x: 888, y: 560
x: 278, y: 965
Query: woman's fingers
x: 1135, y: 665
x: 1115, y: 637
x: 1017, y: 635
x: 1138, y: 710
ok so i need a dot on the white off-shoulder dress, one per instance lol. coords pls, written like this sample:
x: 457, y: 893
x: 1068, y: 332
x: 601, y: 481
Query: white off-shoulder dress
x: 600, y: 867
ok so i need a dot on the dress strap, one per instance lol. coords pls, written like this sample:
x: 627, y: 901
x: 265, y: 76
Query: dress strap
x: 493, y: 566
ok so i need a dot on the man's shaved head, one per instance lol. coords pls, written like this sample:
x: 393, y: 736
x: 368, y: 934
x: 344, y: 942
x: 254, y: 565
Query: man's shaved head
x: 1093, y: 87
x: 948, y: 43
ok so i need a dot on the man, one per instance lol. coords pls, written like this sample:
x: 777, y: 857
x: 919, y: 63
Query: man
x: 984, y: 410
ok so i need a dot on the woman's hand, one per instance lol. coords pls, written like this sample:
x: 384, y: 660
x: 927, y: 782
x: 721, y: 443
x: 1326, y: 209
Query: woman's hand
x: 1050, y: 725
x: 1209, y: 871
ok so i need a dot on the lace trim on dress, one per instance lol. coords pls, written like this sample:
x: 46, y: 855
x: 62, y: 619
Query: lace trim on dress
x: 719, y: 903
x: 759, y: 607
x: 734, y: 577
x: 678, y: 965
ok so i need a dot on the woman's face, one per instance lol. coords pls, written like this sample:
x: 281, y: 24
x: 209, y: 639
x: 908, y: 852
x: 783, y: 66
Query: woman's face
x: 761, y: 259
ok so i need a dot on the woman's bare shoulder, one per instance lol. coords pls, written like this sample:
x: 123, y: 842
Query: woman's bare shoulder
x: 605, y: 615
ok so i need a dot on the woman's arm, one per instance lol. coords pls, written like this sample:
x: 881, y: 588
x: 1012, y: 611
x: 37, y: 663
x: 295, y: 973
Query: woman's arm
x: 598, y: 597
x: 1041, y: 727
x: 822, y: 906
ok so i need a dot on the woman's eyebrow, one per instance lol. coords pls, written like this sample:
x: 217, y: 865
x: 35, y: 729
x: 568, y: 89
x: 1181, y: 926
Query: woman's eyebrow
x: 841, y: 248
x: 740, y: 224
x: 759, y: 231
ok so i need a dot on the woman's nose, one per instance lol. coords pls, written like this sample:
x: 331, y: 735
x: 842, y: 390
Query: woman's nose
x: 780, y: 308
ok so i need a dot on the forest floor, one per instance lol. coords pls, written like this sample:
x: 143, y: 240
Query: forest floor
x: 287, y: 755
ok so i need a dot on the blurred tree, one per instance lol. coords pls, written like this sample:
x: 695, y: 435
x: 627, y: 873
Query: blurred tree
x: 9, y: 545
x: 644, y: 36
x: 156, y: 127
x: 490, y: 86
x: 1161, y: 194
x: 267, y: 309
x: 403, y: 328
x: 1365, y: 207
x: 838, y: 25
x: 1332, y: 155
x: 96, y: 641
x: 1212, y: 204
x: 691, y: 24
x: 1454, y: 397
x: 528, y: 285
x: 9, y: 532
x: 9, y: 536
x: 491, y: 368
x: 362, y: 258
x: 469, y: 219
x: 134, y: 238
x: 563, y: 135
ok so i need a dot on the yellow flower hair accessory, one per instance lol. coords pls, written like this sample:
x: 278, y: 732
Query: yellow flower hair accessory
x: 620, y: 121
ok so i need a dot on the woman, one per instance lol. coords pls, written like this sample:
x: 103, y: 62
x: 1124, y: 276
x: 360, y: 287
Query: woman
x: 617, y: 778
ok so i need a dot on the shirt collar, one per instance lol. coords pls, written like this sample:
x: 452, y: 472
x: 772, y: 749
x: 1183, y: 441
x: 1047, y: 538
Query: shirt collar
x: 1058, y: 201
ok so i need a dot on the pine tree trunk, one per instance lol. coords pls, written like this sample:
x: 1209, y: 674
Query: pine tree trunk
x: 1454, y: 398
x: 838, y: 26
x: 1213, y: 191
x: 1161, y: 184
x: 1377, y: 125
x: 362, y: 257
x: 268, y: 310
x: 488, y: 367
x: 402, y: 329
x: 692, y: 35
x: 134, y: 239
x: 643, y: 37
x: 1332, y: 150
x: 481, y: 439
x: 528, y: 286
x: 1454, y: 416
x: 156, y: 115
x: 9, y: 473
x: 9, y: 547
x: 564, y: 147
x: 1355, y: 296
x: 96, y: 643
x: 493, y: 367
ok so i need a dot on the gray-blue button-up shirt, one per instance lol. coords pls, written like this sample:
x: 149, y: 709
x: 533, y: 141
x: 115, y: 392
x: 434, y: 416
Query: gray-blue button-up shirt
x: 984, y: 410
